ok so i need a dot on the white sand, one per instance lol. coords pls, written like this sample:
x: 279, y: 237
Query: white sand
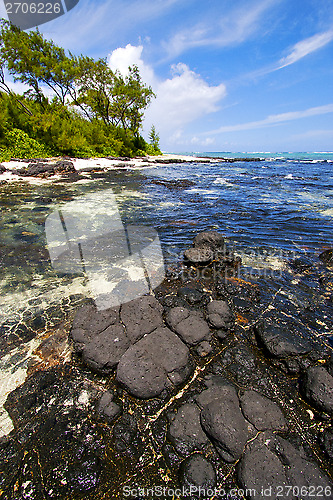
x: 81, y: 164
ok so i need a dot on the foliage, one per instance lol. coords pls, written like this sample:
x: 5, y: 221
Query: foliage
x: 154, y: 139
x: 94, y: 111
x: 17, y: 144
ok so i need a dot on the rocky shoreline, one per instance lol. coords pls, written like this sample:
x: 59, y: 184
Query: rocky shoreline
x: 204, y: 387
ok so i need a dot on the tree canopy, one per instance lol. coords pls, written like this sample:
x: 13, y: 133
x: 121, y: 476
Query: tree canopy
x: 82, y: 93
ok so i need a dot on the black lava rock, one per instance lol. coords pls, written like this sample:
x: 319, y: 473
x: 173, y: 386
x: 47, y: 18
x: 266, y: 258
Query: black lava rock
x: 156, y: 362
x: 220, y: 315
x: 189, y: 325
x: 185, y: 431
x: 317, y: 387
x: 198, y: 472
x: 263, y: 413
x: 224, y: 423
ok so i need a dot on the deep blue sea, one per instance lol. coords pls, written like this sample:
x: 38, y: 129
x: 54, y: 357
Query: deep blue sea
x: 273, y: 212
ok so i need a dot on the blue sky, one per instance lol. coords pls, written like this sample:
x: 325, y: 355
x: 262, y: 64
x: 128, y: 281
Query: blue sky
x: 241, y: 75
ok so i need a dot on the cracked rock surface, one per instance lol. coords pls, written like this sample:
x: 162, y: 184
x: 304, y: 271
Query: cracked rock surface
x: 207, y: 383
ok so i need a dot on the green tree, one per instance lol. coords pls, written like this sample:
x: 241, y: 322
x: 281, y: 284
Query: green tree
x: 32, y: 60
x: 154, y: 139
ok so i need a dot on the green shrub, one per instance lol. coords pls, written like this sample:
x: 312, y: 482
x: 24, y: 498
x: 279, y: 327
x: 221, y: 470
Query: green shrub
x: 17, y: 144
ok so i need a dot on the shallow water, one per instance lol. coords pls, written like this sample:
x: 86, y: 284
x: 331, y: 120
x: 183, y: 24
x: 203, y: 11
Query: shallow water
x: 271, y: 211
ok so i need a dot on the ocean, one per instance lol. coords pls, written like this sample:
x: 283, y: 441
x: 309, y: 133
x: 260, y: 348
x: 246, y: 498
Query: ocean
x: 275, y: 211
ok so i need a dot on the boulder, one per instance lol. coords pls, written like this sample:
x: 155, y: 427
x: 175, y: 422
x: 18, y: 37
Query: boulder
x: 199, y: 256
x: 284, y: 339
x: 99, y: 337
x: 2, y: 169
x: 223, y: 421
x: 261, y: 473
x: 156, y: 362
x: 209, y: 239
x: 185, y: 431
x: 104, y: 351
x: 299, y: 470
x: 263, y: 413
x: 141, y: 316
x: 189, y: 325
x: 220, y: 315
x: 89, y: 322
x: 317, y: 388
x: 196, y: 472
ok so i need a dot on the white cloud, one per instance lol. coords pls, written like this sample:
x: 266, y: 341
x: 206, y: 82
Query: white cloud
x: 181, y: 99
x: 275, y: 119
x: 305, y: 47
x: 233, y: 27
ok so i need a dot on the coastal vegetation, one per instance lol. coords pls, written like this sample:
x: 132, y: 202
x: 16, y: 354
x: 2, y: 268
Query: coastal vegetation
x: 73, y: 105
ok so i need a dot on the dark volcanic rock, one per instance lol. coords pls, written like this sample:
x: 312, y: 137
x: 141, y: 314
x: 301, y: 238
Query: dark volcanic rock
x: 107, y: 407
x: 263, y: 413
x: 327, y: 257
x: 47, y: 169
x: 191, y: 295
x: 104, y: 351
x: 317, y: 387
x: 299, y: 470
x: 259, y: 470
x: 220, y: 315
x: 89, y: 322
x: 326, y: 441
x: 283, y: 338
x: 197, y: 471
x: 141, y: 316
x: 209, y: 239
x: 190, y: 326
x: 224, y: 423
x: 99, y: 337
x: 173, y: 184
x: 56, y: 450
x: 185, y: 431
x: 199, y: 256
x: 157, y: 361
x: 271, y: 464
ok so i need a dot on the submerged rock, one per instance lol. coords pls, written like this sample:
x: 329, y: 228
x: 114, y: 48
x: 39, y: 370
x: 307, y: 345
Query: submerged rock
x: 327, y: 257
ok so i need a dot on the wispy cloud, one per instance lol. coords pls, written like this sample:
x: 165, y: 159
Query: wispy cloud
x: 93, y: 27
x: 231, y: 28
x: 306, y: 47
x: 274, y: 120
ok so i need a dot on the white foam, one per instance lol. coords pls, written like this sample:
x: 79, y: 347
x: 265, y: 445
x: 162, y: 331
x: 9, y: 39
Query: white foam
x: 223, y: 182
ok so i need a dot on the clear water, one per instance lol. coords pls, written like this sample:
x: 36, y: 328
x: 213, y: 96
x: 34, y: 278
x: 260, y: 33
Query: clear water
x: 271, y: 211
